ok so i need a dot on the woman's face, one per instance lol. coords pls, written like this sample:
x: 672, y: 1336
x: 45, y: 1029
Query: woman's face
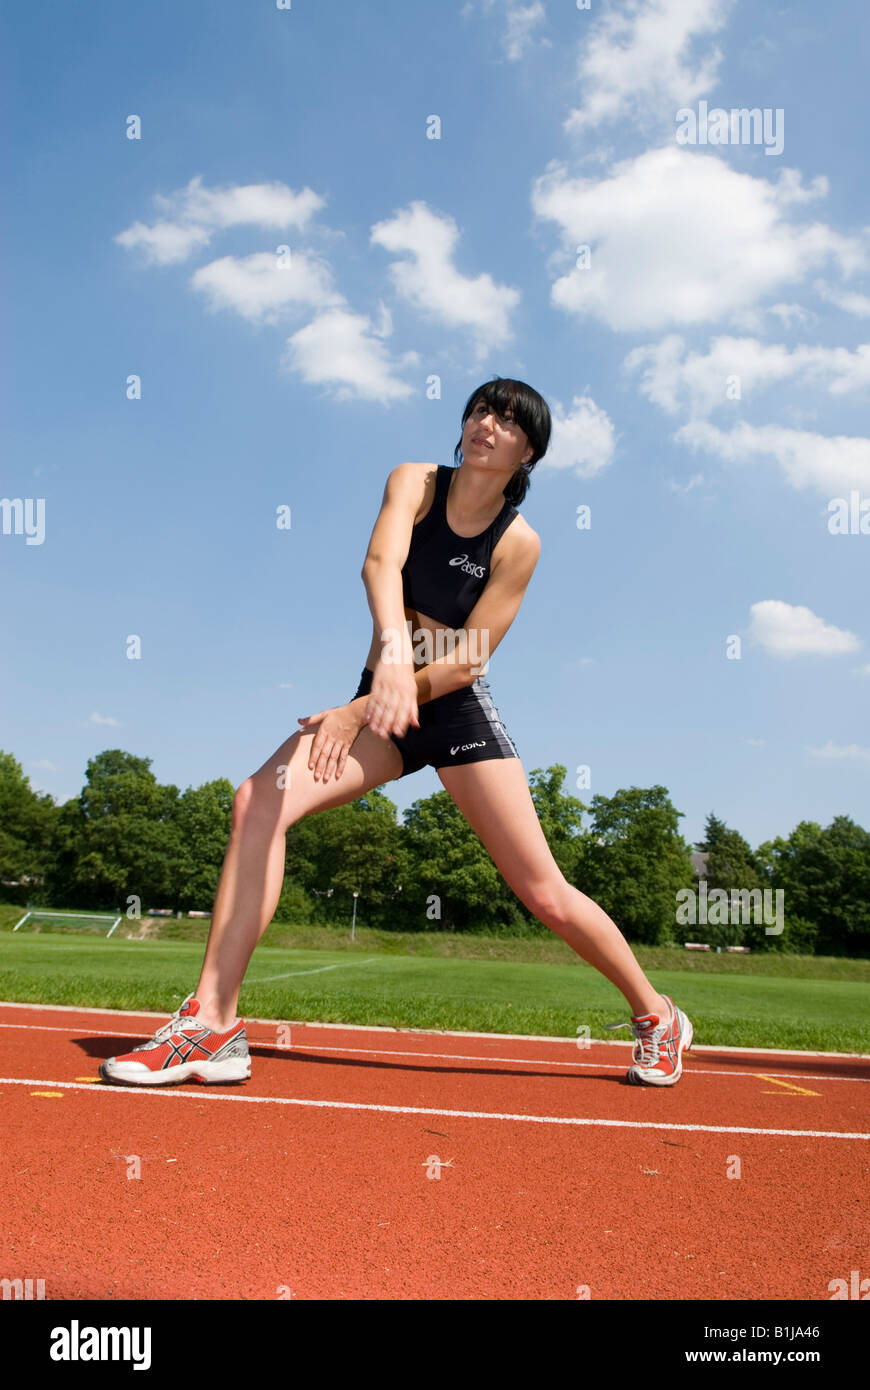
x: 488, y: 436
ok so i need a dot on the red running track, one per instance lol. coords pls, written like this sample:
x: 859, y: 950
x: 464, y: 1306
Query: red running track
x: 317, y: 1179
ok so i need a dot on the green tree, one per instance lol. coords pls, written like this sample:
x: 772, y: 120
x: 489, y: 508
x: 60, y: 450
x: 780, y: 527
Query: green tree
x: 354, y: 847
x: 560, y: 816
x: 203, y: 820
x: 27, y: 824
x: 634, y: 861
x: 454, y: 884
x: 825, y: 878
x: 118, y: 839
x: 731, y: 868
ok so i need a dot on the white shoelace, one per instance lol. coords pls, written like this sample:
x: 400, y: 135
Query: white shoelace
x: 647, y: 1047
x: 176, y: 1024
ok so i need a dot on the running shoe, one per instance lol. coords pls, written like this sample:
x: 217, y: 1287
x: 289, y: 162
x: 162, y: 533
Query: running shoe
x: 184, y: 1050
x: 658, y: 1048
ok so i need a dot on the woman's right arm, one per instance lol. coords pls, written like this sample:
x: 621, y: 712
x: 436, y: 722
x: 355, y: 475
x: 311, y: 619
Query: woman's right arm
x: 387, y: 552
x: 393, y: 699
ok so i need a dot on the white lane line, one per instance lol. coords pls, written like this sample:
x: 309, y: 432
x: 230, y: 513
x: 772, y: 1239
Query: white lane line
x: 342, y: 965
x: 428, y: 1032
x: 446, y: 1056
x: 176, y: 1093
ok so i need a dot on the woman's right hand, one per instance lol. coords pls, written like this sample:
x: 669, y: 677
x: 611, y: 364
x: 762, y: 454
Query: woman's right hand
x: 392, y: 702
x: 333, y: 741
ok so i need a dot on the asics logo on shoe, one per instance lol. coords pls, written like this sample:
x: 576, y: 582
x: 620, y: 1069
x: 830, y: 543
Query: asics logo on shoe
x: 468, y: 567
x: 464, y: 747
x: 183, y: 1049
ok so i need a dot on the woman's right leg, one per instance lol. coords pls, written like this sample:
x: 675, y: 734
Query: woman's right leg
x: 253, y: 870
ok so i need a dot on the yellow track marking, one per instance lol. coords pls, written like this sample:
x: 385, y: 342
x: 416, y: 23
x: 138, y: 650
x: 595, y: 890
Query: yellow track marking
x: 788, y: 1085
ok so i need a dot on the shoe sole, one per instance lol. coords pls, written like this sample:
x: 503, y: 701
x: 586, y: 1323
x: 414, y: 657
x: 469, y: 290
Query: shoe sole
x: 210, y: 1073
x: 636, y: 1080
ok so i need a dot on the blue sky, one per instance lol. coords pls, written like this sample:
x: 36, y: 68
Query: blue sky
x: 708, y: 370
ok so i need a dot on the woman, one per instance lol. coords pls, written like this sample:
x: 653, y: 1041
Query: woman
x: 450, y: 558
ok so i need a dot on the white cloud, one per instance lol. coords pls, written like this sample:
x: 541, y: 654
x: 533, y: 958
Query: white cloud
x: 341, y: 350
x: 694, y: 383
x: 261, y: 204
x: 680, y: 237
x: 636, y: 60
x: 849, y: 300
x: 518, y: 36
x: 583, y: 438
x: 195, y: 213
x: 164, y: 243
x: 104, y: 719
x: 852, y: 751
x: 830, y: 464
x: 515, y: 34
x: 338, y: 349
x: 784, y: 630
x: 696, y: 480
x: 430, y: 281
x: 791, y: 313
x: 260, y: 287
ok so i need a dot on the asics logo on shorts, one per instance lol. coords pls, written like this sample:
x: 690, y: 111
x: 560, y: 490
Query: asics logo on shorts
x: 467, y: 567
x: 464, y: 747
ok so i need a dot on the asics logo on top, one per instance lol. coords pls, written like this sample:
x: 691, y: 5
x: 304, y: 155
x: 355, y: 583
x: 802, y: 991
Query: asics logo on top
x: 467, y: 567
x: 464, y: 747
x: 181, y: 1048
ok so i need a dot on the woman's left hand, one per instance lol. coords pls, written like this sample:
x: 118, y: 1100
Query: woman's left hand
x: 392, y: 700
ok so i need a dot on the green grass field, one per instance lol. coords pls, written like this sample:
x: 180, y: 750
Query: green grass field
x: 479, y: 984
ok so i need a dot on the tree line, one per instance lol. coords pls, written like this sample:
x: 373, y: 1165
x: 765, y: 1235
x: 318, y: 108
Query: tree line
x: 126, y: 838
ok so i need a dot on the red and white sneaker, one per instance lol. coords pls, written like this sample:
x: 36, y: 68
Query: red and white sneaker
x: 184, y: 1050
x: 659, y: 1047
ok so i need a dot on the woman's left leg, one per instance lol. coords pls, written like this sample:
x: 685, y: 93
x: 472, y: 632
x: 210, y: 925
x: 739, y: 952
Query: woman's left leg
x: 494, y: 798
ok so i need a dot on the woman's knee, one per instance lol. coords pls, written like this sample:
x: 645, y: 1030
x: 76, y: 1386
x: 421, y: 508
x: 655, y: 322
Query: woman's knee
x: 242, y: 802
x: 548, y: 900
x: 262, y: 799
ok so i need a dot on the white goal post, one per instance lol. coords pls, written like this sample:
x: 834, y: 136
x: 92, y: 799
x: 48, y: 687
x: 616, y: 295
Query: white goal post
x: 73, y: 917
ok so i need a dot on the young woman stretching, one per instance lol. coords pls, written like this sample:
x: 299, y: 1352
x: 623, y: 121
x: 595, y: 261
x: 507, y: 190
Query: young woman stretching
x: 451, y: 557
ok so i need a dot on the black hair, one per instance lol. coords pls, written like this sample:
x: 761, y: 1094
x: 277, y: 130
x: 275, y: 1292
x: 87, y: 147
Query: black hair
x: 531, y: 413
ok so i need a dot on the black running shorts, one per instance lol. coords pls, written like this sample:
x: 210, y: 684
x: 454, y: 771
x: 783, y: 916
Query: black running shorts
x: 462, y: 727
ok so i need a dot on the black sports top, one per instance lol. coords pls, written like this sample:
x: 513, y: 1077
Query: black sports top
x: 445, y: 574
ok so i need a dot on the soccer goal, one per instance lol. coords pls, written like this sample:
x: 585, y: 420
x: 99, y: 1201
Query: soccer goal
x: 75, y: 920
